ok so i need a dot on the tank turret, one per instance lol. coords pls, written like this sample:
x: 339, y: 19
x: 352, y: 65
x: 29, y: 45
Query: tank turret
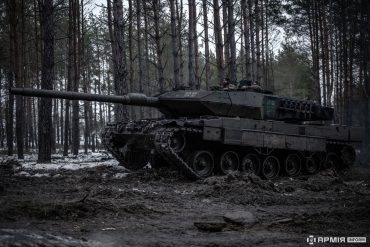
x: 190, y: 103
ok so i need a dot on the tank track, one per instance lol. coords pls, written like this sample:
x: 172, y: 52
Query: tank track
x: 162, y: 144
x: 162, y: 139
x: 158, y: 137
x: 108, y: 143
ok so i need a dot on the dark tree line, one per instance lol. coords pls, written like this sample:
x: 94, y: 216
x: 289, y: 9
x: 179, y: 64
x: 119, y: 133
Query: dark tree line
x: 338, y: 34
x: 154, y: 46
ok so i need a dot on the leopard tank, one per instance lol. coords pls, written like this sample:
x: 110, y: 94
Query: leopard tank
x: 203, y: 133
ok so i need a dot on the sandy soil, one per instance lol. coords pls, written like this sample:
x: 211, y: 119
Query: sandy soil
x: 105, y: 206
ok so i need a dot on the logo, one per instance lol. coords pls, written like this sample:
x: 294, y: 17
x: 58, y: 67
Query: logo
x: 311, y: 240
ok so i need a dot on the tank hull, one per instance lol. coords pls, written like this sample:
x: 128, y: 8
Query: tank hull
x: 201, y: 147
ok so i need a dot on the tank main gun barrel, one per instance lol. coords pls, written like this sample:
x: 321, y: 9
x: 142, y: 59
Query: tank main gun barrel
x: 137, y: 99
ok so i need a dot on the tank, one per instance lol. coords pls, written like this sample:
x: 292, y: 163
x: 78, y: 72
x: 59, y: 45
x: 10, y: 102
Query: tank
x: 205, y: 133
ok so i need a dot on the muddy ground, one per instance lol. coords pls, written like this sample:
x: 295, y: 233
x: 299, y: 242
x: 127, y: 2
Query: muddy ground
x: 105, y: 206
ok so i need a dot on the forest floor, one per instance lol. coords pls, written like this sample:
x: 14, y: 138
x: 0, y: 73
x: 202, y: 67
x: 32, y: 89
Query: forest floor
x: 91, y: 201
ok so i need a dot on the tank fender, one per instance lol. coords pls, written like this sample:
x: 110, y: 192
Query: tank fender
x: 174, y: 123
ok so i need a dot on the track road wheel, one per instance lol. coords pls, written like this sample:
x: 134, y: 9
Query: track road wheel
x: 202, y: 163
x: 229, y: 162
x: 292, y: 165
x: 312, y: 164
x: 270, y: 167
x: 251, y: 163
x: 332, y: 161
x: 178, y: 142
x: 348, y: 156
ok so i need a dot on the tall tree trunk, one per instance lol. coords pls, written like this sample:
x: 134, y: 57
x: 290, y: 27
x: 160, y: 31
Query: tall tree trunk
x: 269, y: 84
x: 206, y: 44
x: 191, y: 45
x: 344, y: 9
x: 146, y: 44
x: 109, y: 90
x: 53, y: 127
x: 56, y: 124
x: 196, y: 47
x: 337, y: 72
x: 365, y: 7
x: 246, y: 33
x: 131, y: 54
x: 175, y: 48
x: 23, y: 115
x: 47, y: 79
x: 231, y: 32
x: 85, y: 86
x: 226, y: 38
x: 219, y: 43
x: 16, y: 68
x: 119, y: 65
x: 70, y: 79
x: 330, y: 55
x: 92, y: 123
x: 326, y: 56
x: 61, y: 114
x: 1, y: 111
x: 33, y: 120
x: 110, y: 22
x: 179, y: 17
x: 323, y: 62
x: 350, y: 74
x: 87, y: 129
x: 253, y: 48
x: 76, y: 78
x: 316, y: 49
x: 11, y: 12
x: 158, y: 44
x: 139, y: 54
x: 10, y: 117
x: 262, y: 62
x: 258, y: 44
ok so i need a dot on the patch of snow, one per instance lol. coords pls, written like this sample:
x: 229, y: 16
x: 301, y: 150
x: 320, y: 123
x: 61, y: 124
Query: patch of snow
x: 120, y: 175
x: 109, y: 229
x: 36, y: 175
x: 206, y: 200
x: 25, y: 237
x: 70, y: 164
x: 138, y: 190
x: 23, y: 173
x: 29, y: 165
x: 39, y: 175
x: 184, y: 192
